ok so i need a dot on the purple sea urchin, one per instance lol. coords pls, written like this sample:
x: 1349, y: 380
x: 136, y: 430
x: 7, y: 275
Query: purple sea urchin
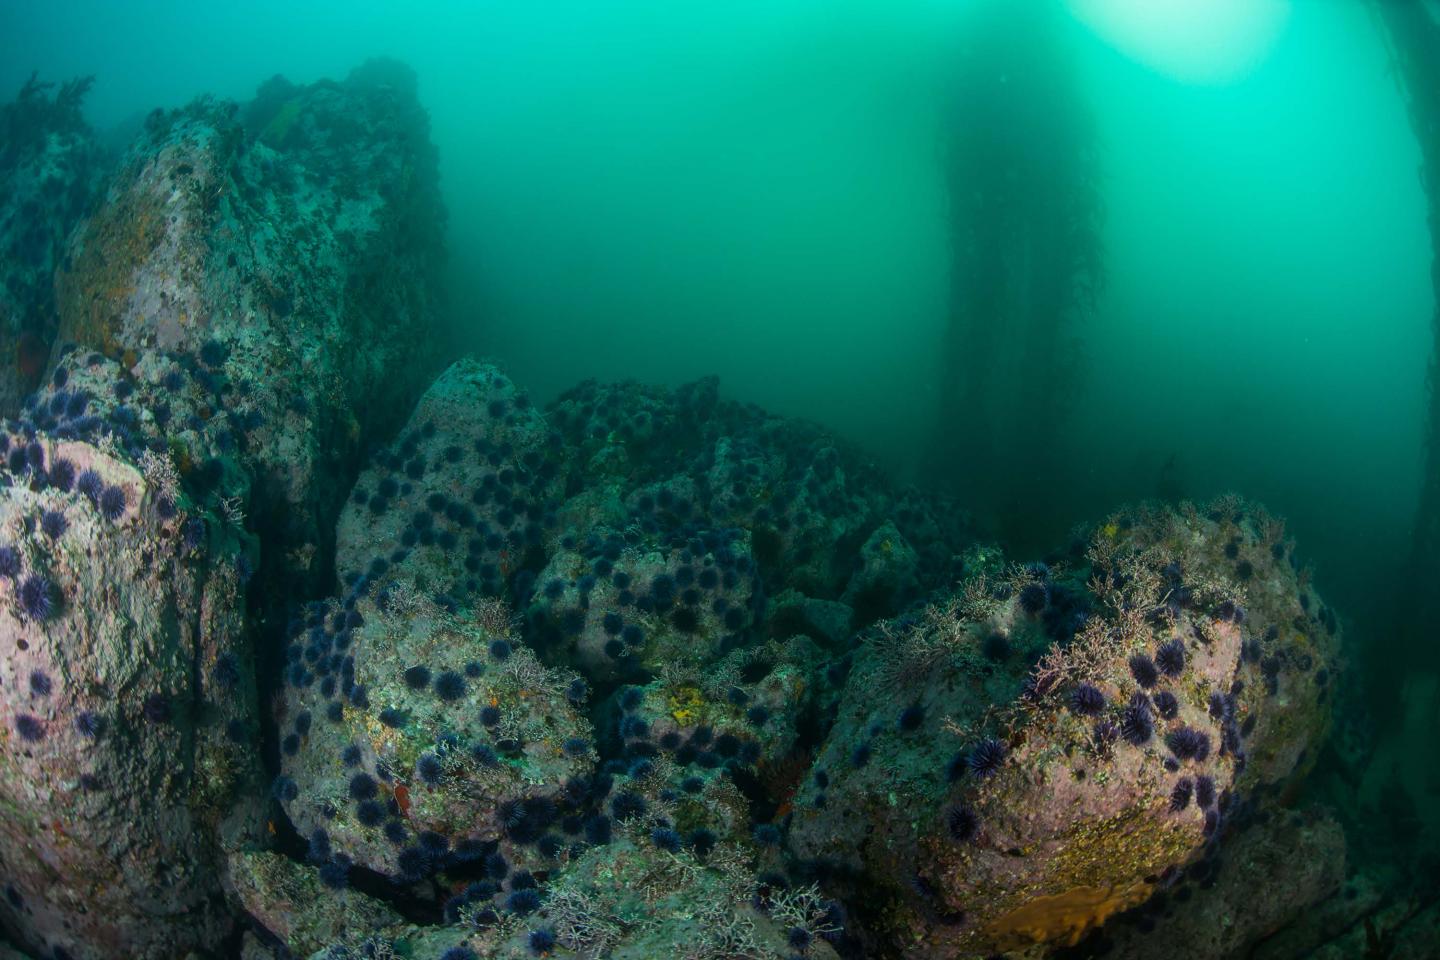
x: 89, y: 724
x: 1136, y: 726
x: 30, y: 728
x: 1033, y: 598
x: 987, y: 757
x: 363, y: 787
x: 962, y: 823
x: 1204, y: 791
x: 40, y: 684
x: 1188, y: 743
x: 54, y: 524
x: 1087, y: 700
x: 37, y: 597
x: 449, y: 686
x: 90, y: 485
x: 1170, y: 657
x: 1142, y: 668
x: 112, y: 503
x: 429, y: 769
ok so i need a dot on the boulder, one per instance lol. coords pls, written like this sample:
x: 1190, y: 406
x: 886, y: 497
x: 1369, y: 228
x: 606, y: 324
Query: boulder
x: 128, y: 700
x: 271, y: 271
x: 1183, y: 664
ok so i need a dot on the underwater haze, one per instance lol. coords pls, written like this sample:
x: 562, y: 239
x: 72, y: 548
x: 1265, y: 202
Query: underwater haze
x: 756, y: 190
x: 1033, y: 263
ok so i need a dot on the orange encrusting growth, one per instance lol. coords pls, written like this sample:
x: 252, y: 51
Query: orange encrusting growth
x: 1063, y: 917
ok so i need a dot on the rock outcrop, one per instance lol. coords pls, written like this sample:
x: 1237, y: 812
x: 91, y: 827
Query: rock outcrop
x: 645, y: 673
x: 50, y: 173
x: 269, y: 272
x: 1182, y: 664
x: 246, y: 308
x: 128, y: 701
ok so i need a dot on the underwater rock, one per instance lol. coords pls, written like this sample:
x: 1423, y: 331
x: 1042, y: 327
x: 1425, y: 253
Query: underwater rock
x: 128, y: 703
x: 281, y: 261
x: 462, y: 503
x: 826, y: 621
x: 1227, y: 903
x: 630, y: 900
x: 887, y: 577
x: 1010, y: 765
x: 50, y: 172
x: 162, y: 407
x: 294, y: 904
x: 1180, y: 677
x: 1336, y: 920
x: 414, y: 738
x: 686, y: 460
x: 658, y: 605
x: 696, y: 731
x: 422, y: 738
x: 1403, y: 929
x: 1385, y: 909
x: 1370, y: 917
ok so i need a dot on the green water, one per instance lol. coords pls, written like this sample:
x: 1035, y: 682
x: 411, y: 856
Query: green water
x: 758, y: 190
x: 662, y: 191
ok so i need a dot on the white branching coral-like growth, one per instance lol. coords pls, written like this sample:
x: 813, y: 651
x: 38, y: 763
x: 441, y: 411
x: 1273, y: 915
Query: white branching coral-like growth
x: 160, y: 474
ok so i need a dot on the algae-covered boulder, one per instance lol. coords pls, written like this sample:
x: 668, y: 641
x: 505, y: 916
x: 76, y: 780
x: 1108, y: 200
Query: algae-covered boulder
x: 421, y: 737
x: 984, y: 811
x: 1006, y: 767
x: 282, y: 259
x: 414, y: 738
x: 887, y: 576
x: 460, y: 504
x: 50, y: 172
x: 739, y: 717
x: 1265, y: 877
x: 128, y: 704
x: 685, y: 458
x: 631, y: 607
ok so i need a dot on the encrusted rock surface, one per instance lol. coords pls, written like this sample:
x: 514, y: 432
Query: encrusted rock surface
x: 464, y: 498
x: 129, y: 709
x: 282, y: 257
x: 686, y: 458
x: 989, y: 812
x: 550, y: 710
x: 242, y: 311
x: 1009, y: 765
x: 292, y: 903
x: 412, y: 735
x: 423, y: 738
x: 1258, y: 882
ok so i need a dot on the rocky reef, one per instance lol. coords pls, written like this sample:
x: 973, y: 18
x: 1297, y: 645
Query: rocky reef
x: 131, y: 716
x: 262, y: 280
x: 991, y: 805
x: 191, y: 411
x: 51, y: 169
x: 313, y: 648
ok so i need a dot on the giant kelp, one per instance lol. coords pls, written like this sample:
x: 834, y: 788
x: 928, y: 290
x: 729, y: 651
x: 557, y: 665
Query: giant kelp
x: 1022, y: 166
